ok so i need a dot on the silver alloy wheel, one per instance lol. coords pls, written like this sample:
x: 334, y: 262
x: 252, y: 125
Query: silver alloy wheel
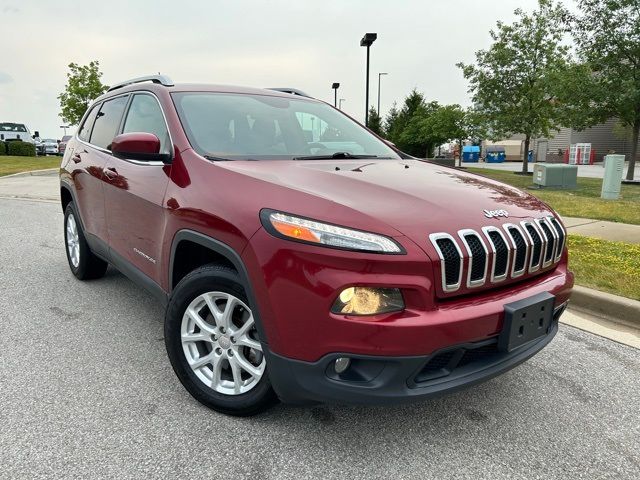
x: 219, y: 341
x: 73, y: 241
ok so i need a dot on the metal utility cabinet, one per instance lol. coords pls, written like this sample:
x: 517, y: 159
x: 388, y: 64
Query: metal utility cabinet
x: 555, y: 175
x: 613, y: 167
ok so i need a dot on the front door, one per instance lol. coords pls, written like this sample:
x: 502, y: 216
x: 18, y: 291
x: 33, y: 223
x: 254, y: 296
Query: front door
x: 134, y: 193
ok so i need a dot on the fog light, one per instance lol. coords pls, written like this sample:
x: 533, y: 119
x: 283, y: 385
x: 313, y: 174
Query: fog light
x: 341, y: 364
x: 368, y: 301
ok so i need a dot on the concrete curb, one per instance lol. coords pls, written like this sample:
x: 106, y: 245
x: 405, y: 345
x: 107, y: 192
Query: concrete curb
x: 612, y: 307
x: 31, y: 173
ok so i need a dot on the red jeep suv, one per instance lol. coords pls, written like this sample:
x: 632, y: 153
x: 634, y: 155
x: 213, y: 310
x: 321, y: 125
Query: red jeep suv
x: 299, y: 256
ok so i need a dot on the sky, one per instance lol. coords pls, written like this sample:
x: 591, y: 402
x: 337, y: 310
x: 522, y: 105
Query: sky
x: 277, y: 43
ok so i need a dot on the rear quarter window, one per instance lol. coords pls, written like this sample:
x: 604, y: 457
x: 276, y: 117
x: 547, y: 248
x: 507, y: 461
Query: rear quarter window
x: 84, y: 132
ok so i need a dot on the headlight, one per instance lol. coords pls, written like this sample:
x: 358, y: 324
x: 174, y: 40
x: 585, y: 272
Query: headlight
x: 310, y: 231
x: 368, y: 301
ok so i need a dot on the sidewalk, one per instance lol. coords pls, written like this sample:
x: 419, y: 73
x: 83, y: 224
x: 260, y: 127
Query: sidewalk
x: 612, y: 231
x: 37, y: 185
x: 588, y: 171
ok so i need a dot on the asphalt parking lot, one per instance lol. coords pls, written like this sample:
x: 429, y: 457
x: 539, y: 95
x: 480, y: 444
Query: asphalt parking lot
x: 86, y: 390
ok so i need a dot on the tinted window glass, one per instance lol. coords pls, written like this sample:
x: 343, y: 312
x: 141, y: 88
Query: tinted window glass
x: 84, y: 132
x: 107, y: 122
x: 145, y: 116
x: 262, y: 127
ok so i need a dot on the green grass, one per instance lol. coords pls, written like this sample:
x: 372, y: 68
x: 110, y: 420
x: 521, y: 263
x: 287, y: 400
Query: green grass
x: 10, y: 164
x: 612, y: 267
x: 584, y: 201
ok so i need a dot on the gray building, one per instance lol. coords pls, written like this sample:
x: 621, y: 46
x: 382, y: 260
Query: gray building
x: 601, y: 137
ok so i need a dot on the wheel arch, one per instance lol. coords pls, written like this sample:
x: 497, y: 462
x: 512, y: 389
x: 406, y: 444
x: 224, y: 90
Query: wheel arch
x: 227, y: 256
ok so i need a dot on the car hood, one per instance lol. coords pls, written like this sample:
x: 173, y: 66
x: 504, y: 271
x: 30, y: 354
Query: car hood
x: 413, y: 197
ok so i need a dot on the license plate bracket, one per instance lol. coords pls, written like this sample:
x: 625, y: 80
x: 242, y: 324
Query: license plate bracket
x: 526, y: 320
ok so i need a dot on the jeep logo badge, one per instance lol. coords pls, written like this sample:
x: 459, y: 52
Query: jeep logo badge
x: 495, y: 213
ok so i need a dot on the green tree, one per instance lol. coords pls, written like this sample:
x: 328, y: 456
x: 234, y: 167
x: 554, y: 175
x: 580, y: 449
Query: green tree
x: 375, y: 122
x: 83, y: 86
x: 391, y: 122
x: 514, y: 82
x: 607, y: 35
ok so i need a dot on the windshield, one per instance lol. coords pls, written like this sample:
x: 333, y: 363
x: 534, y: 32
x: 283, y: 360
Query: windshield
x: 261, y: 127
x: 49, y: 140
x: 12, y: 127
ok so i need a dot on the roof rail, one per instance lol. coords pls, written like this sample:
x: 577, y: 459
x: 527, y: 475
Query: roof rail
x: 161, y: 79
x: 292, y: 91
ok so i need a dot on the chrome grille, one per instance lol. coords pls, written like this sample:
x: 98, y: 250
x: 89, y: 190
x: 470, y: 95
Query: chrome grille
x: 498, y: 253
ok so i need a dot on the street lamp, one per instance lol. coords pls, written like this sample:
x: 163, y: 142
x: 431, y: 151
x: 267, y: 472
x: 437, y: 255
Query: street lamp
x: 380, y: 76
x: 335, y: 87
x: 340, y: 103
x: 65, y: 129
x: 366, y: 41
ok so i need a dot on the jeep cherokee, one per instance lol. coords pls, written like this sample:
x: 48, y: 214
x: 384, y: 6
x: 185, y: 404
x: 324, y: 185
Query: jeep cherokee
x: 299, y: 256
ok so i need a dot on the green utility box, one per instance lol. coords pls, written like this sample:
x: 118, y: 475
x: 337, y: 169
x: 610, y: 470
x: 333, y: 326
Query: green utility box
x: 613, y: 167
x: 555, y: 175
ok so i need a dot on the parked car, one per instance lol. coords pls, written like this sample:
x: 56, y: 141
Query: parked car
x: 50, y: 146
x: 16, y: 131
x: 303, y: 266
x: 62, y: 145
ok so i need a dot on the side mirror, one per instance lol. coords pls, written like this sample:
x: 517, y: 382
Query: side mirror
x: 140, y: 146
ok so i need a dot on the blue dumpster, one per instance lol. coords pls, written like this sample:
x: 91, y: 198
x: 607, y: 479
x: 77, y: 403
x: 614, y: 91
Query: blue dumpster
x: 470, y: 153
x: 495, y: 154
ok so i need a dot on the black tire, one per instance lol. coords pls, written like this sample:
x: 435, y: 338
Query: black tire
x: 205, y: 279
x: 90, y: 266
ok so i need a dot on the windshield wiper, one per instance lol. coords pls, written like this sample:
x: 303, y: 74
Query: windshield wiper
x: 217, y: 159
x: 335, y: 155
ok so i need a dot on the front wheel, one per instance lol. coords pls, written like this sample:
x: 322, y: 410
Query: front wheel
x: 213, y: 344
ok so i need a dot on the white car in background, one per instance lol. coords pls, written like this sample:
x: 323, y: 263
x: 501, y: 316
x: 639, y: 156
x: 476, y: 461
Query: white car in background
x: 50, y: 146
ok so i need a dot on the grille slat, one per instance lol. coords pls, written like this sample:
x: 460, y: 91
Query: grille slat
x: 501, y: 254
x: 478, y: 253
x: 521, y: 250
x: 527, y: 241
x: 537, y: 245
x: 451, y: 259
x: 550, y: 251
x: 561, y: 239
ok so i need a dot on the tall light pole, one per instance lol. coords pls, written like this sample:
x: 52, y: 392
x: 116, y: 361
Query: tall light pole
x: 380, y: 76
x: 65, y: 129
x: 366, y: 41
x: 335, y: 87
x: 340, y: 103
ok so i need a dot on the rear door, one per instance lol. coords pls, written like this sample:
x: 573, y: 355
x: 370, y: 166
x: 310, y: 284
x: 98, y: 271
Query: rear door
x: 134, y: 192
x: 86, y: 171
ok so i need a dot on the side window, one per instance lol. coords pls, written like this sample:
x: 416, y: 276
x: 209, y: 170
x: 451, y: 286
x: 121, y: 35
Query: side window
x: 84, y: 132
x: 107, y: 122
x: 313, y: 127
x: 146, y: 116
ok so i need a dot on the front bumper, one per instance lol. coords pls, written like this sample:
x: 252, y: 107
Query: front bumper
x: 387, y: 380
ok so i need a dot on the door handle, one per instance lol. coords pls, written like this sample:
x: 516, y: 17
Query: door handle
x: 110, y: 173
x: 77, y: 158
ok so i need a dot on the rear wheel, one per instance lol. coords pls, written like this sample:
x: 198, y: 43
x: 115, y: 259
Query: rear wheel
x: 213, y: 344
x: 82, y: 262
